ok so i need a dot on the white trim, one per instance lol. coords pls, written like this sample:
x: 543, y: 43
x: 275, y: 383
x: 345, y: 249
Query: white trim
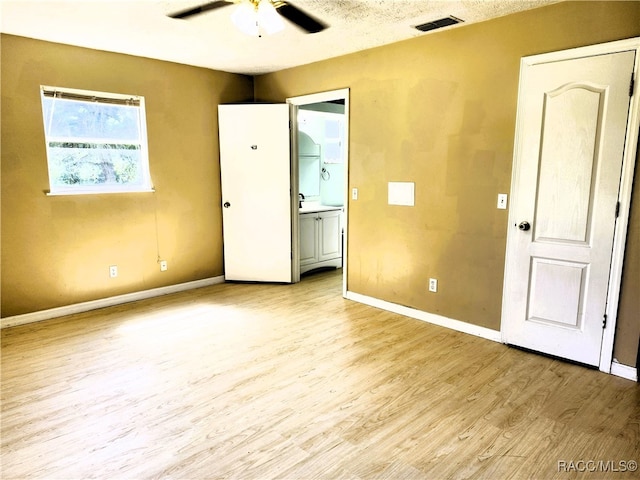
x: 105, y: 302
x: 624, y: 371
x: 626, y: 182
x: 90, y: 93
x: 439, y: 320
x: 294, y: 183
x: 324, y: 97
x: 622, y: 224
x: 319, y: 97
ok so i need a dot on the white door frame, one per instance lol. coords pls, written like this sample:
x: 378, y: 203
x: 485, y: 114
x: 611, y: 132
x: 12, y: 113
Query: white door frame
x: 295, y: 102
x: 626, y: 181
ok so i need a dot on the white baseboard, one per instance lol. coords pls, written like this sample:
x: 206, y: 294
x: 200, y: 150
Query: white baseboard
x: 105, y: 302
x: 624, y: 371
x: 457, y: 325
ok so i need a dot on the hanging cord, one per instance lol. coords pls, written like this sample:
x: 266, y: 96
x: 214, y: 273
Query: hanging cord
x: 325, y: 175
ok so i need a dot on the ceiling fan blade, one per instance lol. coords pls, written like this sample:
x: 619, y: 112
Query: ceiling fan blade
x: 300, y: 18
x: 200, y: 9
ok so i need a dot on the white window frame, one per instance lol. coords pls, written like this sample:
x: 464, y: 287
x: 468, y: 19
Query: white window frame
x: 107, y: 98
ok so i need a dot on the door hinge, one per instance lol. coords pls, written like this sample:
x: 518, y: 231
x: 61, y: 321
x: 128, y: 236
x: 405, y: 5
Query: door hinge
x: 617, y: 209
x: 632, y: 84
x: 604, y: 321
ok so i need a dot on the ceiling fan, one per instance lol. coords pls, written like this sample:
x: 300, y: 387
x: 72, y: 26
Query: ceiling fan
x: 254, y: 12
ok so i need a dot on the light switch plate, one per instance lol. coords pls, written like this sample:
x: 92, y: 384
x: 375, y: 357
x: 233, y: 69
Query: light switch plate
x: 354, y: 194
x: 502, y: 201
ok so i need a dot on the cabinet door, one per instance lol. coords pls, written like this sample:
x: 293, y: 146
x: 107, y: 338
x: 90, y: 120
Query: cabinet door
x: 330, y: 235
x: 308, y: 228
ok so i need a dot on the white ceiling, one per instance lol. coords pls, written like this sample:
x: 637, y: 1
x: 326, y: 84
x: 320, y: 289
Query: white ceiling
x: 142, y: 28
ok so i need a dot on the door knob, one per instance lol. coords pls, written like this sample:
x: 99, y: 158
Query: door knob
x: 226, y: 204
x: 524, y: 226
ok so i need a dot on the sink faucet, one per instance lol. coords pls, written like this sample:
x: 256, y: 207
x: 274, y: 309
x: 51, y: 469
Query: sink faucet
x: 301, y: 198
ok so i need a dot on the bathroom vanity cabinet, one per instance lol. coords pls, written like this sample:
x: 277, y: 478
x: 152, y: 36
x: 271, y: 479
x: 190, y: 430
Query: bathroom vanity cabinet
x: 320, y: 238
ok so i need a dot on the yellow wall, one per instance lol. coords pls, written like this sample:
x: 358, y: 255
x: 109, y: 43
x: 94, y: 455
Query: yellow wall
x: 439, y: 110
x: 56, y: 250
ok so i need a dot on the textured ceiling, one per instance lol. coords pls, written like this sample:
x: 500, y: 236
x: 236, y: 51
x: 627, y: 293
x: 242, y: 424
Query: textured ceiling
x: 141, y: 27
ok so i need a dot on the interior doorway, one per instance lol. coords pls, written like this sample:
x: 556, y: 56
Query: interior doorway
x: 324, y: 176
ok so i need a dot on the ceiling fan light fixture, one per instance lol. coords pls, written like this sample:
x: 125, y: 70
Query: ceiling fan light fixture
x: 245, y: 17
x: 268, y: 17
x: 253, y: 17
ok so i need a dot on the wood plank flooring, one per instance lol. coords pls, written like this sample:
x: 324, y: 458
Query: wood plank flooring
x: 292, y: 381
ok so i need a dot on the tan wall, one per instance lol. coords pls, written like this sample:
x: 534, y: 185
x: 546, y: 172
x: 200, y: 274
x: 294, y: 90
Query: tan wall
x: 57, y: 250
x: 440, y: 110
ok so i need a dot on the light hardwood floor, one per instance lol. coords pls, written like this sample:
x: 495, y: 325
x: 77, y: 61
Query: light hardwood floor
x: 292, y: 381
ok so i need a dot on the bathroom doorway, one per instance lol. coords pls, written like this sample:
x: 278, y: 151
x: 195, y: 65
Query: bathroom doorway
x: 320, y: 164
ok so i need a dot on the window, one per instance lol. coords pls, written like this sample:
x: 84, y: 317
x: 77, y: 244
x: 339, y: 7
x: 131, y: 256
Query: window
x: 333, y: 139
x: 327, y: 129
x: 96, y: 142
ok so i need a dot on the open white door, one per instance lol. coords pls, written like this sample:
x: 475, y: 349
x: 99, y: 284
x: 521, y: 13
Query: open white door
x: 256, y: 191
x: 572, y: 124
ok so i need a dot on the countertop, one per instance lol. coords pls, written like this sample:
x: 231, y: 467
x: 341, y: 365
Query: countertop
x: 312, y: 207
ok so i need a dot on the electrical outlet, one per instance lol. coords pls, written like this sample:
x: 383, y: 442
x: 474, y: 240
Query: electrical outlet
x: 113, y: 271
x: 433, y: 285
x: 502, y: 201
x: 354, y: 194
x: 163, y: 265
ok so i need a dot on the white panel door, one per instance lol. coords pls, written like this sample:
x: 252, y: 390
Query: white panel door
x: 256, y: 191
x: 571, y: 135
